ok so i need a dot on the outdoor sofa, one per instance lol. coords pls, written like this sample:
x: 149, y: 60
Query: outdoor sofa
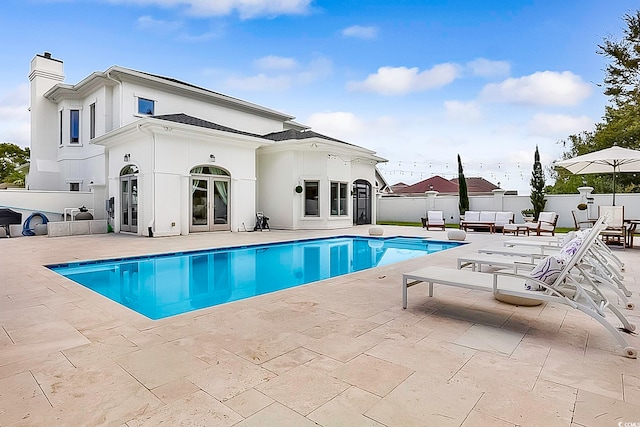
x: 490, y: 220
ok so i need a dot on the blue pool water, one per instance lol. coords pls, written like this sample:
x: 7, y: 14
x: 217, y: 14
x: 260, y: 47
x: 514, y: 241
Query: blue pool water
x: 159, y: 286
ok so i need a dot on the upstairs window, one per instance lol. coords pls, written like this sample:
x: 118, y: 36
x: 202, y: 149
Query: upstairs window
x: 92, y: 120
x: 146, y: 106
x: 74, y: 131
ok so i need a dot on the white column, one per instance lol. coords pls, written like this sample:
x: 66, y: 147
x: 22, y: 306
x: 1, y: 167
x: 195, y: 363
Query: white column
x: 585, y: 197
x: 431, y: 200
x: 498, y: 196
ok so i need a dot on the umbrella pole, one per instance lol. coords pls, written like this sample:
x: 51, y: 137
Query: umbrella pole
x: 614, y: 186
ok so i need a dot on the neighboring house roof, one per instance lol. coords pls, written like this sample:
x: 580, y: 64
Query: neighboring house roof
x: 435, y: 183
x: 477, y: 185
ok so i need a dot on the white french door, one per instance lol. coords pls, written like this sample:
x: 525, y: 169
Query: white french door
x: 209, y: 203
x: 129, y: 203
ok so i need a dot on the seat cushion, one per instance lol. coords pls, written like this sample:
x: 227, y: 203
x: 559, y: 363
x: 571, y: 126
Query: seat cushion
x: 471, y: 216
x: 503, y: 218
x: 487, y: 216
x: 547, y: 217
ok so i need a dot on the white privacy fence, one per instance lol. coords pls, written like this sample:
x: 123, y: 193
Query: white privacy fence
x: 411, y: 209
x: 52, y: 203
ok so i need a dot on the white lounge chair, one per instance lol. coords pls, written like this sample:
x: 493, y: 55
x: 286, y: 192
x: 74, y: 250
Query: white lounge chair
x: 476, y: 261
x: 531, y: 252
x: 564, y: 289
x: 599, y: 263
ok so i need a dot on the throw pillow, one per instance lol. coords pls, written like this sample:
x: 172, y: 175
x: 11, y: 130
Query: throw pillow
x: 571, y: 248
x: 546, y: 271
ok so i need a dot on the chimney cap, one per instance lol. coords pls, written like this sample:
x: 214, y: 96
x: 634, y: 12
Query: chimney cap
x: 47, y: 55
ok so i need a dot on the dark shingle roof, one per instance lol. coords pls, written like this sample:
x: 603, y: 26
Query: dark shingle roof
x: 274, y: 136
x: 286, y: 135
x: 194, y: 121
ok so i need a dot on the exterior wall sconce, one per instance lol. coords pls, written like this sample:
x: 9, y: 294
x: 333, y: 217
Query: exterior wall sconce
x: 127, y: 157
x: 212, y: 158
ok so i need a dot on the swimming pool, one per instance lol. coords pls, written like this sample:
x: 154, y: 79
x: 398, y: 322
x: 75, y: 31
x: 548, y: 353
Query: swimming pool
x: 159, y: 286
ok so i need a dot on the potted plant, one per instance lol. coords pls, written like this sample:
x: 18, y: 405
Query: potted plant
x: 528, y: 214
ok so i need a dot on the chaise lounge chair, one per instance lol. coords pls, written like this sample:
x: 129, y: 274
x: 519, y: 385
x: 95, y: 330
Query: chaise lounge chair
x: 563, y: 289
x: 600, y: 267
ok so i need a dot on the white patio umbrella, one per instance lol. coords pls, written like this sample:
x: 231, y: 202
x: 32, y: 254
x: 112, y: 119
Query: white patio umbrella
x: 613, y: 159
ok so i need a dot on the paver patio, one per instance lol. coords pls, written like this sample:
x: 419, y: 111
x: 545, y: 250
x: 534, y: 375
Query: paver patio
x: 340, y: 352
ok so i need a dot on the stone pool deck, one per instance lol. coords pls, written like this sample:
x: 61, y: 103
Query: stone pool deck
x: 340, y: 352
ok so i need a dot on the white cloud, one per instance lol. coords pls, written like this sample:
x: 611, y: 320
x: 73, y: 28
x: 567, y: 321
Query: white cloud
x: 360, y: 32
x: 486, y: 68
x: 14, y: 116
x: 204, y: 37
x: 403, y: 80
x: 541, y: 88
x: 148, y: 23
x: 317, y: 69
x: 273, y: 62
x: 465, y: 112
x: 558, y: 125
x: 245, y: 8
x: 159, y: 26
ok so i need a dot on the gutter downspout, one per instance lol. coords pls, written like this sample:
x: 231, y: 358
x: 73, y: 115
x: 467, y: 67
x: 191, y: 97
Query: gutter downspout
x: 120, y: 96
x: 153, y: 178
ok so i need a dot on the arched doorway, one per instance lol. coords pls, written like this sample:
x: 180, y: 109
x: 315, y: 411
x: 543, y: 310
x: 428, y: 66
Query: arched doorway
x: 209, y: 199
x: 361, y: 202
x: 129, y: 199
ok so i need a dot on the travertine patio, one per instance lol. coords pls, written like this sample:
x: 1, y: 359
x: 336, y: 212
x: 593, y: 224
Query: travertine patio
x: 340, y: 352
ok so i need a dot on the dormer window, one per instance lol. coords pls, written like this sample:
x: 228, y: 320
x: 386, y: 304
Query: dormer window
x: 146, y: 106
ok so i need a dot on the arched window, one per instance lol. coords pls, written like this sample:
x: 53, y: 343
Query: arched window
x: 129, y: 170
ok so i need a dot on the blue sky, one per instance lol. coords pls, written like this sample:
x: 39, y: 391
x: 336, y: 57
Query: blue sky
x: 417, y: 81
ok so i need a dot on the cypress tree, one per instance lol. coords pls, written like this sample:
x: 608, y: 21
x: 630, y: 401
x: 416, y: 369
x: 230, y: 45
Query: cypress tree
x: 537, y: 186
x: 463, y: 203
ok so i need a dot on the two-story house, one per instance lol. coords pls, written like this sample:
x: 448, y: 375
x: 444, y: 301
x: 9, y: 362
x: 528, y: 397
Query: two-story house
x: 175, y: 158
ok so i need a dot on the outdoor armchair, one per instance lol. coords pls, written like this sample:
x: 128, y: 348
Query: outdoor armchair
x: 580, y: 224
x: 616, y: 229
x: 546, y: 223
x: 435, y: 219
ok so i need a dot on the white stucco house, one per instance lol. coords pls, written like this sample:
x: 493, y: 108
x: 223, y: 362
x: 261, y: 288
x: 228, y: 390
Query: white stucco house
x: 172, y: 158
